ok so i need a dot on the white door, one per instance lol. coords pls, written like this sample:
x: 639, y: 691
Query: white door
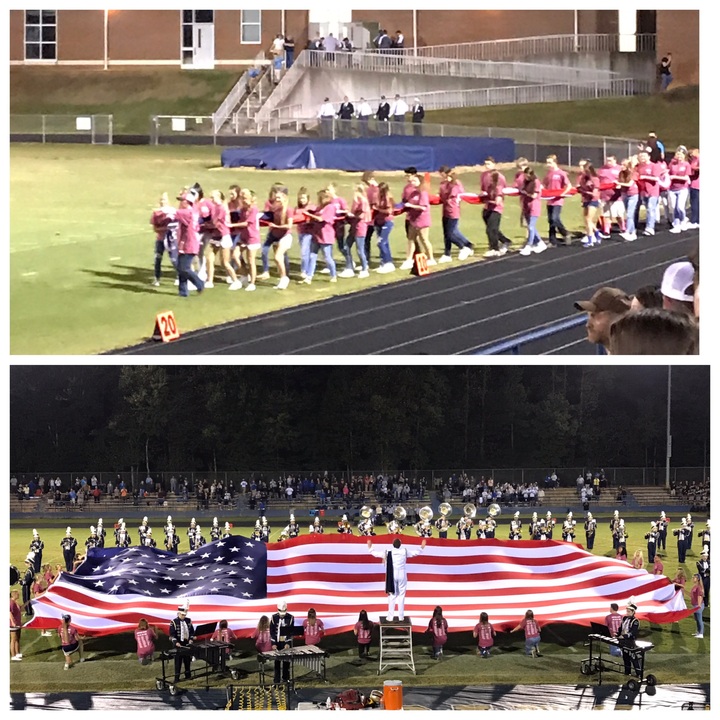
x: 203, y: 46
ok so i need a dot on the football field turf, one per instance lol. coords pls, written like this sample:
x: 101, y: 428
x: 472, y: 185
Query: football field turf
x: 82, y: 248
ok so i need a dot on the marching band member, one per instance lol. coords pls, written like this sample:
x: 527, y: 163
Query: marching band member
x: 614, y: 525
x: 282, y: 629
x: 590, y: 524
x: 172, y: 541
x: 662, y: 524
x: 257, y: 533
x: 515, y: 531
x: 568, y: 528
x: 443, y: 525
x: 690, y: 527
x: 197, y: 540
x: 490, y: 527
x: 652, y: 538
x: 549, y: 524
x: 704, y: 536
x: 703, y: 568
x: 26, y: 582
x: 424, y: 528
x: 317, y: 527
x: 116, y: 529
x: 532, y: 531
x: 344, y: 526
x: 629, y: 629
x: 366, y: 527
x: 142, y: 529
x: 215, y: 530
x: 182, y: 634
x: 93, y: 540
x: 394, y: 528
x: 100, y: 533
x: 542, y: 533
x: 516, y: 518
x: 293, y: 528
x: 169, y: 527
x: 621, y: 534
x: 37, y: 546
x: 481, y: 532
x: 191, y: 531
x: 265, y: 530
x: 68, y: 545
x: 122, y: 539
x: 148, y: 539
x: 464, y: 528
x: 226, y: 531
x: 680, y: 533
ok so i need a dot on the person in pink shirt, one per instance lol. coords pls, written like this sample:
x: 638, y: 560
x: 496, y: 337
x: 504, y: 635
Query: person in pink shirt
x: 248, y: 227
x: 438, y: 630
x: 485, y: 634
x: 657, y: 566
x: 697, y: 600
x: 417, y: 209
x: 280, y: 236
x: 647, y: 177
x: 188, y: 242
x: 15, y: 626
x: 490, y: 177
x: 221, y: 241
x: 313, y: 628
x: 408, y: 190
x: 680, y: 175
x: 341, y: 210
x: 694, y: 158
x: 163, y: 224
x: 530, y: 190
x: 492, y: 213
x: 611, y: 202
x: 371, y: 189
x: 613, y: 621
x: 629, y: 193
x: 359, y: 218
x: 304, y: 231
x: 450, y: 191
x: 382, y: 210
x: 70, y: 641
x: 225, y: 635
x: 556, y: 180
x: 363, y: 631
x: 261, y: 635
x: 145, y: 636
x: 588, y: 186
x: 324, y: 218
x: 532, y: 634
x: 519, y: 180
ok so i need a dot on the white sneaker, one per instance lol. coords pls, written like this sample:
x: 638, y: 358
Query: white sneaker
x: 237, y: 285
x: 303, y: 275
x: 325, y: 271
x: 675, y: 229
x: 587, y: 242
x: 407, y: 265
x: 446, y: 258
x: 305, y: 281
x: 465, y: 253
x: 692, y: 226
x: 228, y: 280
x: 177, y: 281
x: 284, y: 282
x: 539, y: 247
x: 386, y: 268
x: 333, y: 279
x: 699, y: 637
x: 363, y: 274
x: 250, y: 287
x: 156, y: 282
x: 503, y: 249
x: 527, y: 250
x: 347, y: 273
x: 16, y: 657
x: 649, y: 231
x: 67, y: 667
x: 209, y: 285
x: 264, y: 276
x: 45, y: 633
x: 628, y: 236
x: 203, y: 275
x: 431, y: 262
x: 492, y: 253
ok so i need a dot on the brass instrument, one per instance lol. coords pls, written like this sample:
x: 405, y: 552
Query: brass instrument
x: 399, y: 513
x: 445, y: 509
x: 425, y: 513
x: 494, y: 510
x: 366, y: 512
x: 469, y: 510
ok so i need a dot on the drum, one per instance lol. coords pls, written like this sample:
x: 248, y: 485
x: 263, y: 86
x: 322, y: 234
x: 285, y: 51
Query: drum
x: 393, y: 695
x: 14, y: 575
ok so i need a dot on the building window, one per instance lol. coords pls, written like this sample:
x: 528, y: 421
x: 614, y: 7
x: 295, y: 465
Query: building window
x: 250, y: 26
x: 40, y: 35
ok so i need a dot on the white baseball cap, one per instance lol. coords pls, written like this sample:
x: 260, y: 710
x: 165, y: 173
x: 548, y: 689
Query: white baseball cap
x: 678, y: 280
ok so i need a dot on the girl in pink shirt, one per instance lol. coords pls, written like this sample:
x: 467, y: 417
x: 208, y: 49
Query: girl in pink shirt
x: 324, y: 236
x: 359, y: 218
x: 313, y: 628
x: 492, y: 213
x: 417, y: 207
x: 532, y: 634
x: 485, y: 634
x: 221, y: 240
x: 629, y: 193
x: 225, y: 635
x: 280, y: 235
x: 438, y: 629
x: 363, y: 631
x: 450, y: 190
x: 145, y: 636
x: 530, y: 191
x: 588, y: 185
x: 680, y: 176
x: 694, y: 158
x: 657, y: 566
x: 261, y: 636
x: 70, y: 641
x: 304, y: 231
x: 161, y: 220
x: 248, y: 226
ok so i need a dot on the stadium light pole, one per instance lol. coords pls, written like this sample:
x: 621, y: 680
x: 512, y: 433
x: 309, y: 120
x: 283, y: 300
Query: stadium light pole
x: 668, y: 437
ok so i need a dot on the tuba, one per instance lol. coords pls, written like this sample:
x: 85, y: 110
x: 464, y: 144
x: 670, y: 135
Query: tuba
x: 445, y: 509
x: 494, y: 510
x: 425, y: 513
x: 469, y: 510
x: 399, y: 513
x: 366, y: 512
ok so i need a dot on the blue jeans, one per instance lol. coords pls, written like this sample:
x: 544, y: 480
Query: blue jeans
x: 555, y: 223
x: 665, y: 80
x: 159, y: 252
x: 699, y: 618
x: 533, y: 235
x: 185, y: 273
x: 650, y: 204
x: 631, y: 206
x: 678, y: 198
x: 452, y: 234
x: 531, y: 643
x: 305, y: 241
x: 327, y: 251
x: 359, y: 245
x: 383, y: 241
x: 695, y: 205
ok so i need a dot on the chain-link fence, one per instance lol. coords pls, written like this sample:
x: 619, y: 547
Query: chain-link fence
x: 93, y: 129
x: 188, y: 128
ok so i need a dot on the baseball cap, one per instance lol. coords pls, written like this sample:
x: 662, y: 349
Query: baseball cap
x: 604, y: 299
x: 677, y: 280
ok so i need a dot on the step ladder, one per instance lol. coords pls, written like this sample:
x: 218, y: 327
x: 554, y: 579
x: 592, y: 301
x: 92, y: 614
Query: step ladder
x: 396, y: 644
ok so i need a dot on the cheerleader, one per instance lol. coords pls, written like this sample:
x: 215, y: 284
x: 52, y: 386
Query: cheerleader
x: 257, y: 533
x: 611, y: 198
x: 590, y: 525
x: 162, y: 220
x: 215, y: 530
x: 341, y: 210
x: 148, y: 539
x: 588, y: 185
x: 222, y: 240
x: 694, y: 158
x: 316, y: 527
x: 248, y: 227
x: 122, y: 540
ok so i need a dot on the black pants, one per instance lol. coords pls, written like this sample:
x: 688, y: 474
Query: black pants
x: 183, y: 657
x: 633, y: 658
x: 69, y: 558
x: 682, y: 549
x: 368, y: 240
x: 662, y: 539
x: 285, y: 666
x: 651, y: 552
x: 363, y: 649
x: 590, y: 541
x: 492, y: 224
x: 417, y: 129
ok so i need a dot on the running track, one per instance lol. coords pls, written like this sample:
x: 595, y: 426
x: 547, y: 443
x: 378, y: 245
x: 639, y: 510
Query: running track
x: 456, y: 311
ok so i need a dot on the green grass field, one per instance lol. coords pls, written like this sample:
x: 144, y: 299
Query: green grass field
x: 112, y: 665
x: 81, y: 246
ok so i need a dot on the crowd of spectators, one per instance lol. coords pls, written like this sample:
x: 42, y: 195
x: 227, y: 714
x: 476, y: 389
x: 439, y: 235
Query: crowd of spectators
x: 696, y: 494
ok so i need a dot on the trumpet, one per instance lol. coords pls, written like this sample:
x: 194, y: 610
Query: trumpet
x: 494, y: 510
x: 469, y: 510
x: 425, y: 513
x: 445, y: 509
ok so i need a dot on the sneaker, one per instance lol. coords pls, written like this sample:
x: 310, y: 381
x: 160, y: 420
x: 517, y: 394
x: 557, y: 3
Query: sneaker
x: 177, y: 281
x: 156, y: 282
x: 16, y: 657
x: 527, y: 250
x: 492, y: 253
x: 465, y: 253
x: 692, y: 226
x: 628, y: 236
x: 363, y: 274
x: 347, y: 273
x: 446, y: 258
x: 649, y: 231
x: 675, y: 229
x: 386, y: 268
x: 431, y: 262
x: 229, y: 280
x: 305, y: 281
x: 303, y: 275
x: 237, y: 285
x: 45, y: 633
x: 603, y: 236
x: 539, y: 247
x: 538, y: 653
x: 284, y: 282
x: 699, y: 637
x: 333, y: 279
x: 587, y: 242
x: 203, y: 275
x: 503, y: 249
x: 67, y: 667
x: 264, y: 276
x: 407, y: 265
x: 209, y: 284
x: 250, y: 287
x: 325, y: 271
x: 82, y: 659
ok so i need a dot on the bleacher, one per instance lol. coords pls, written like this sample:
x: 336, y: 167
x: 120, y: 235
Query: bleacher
x: 651, y: 495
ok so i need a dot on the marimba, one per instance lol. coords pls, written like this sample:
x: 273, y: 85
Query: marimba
x: 596, y: 662
x: 310, y: 656
x: 214, y: 655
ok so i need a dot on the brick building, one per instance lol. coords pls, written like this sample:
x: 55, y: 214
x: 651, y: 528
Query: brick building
x: 207, y: 38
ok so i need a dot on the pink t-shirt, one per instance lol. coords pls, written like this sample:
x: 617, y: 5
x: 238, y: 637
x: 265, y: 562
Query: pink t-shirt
x: 277, y: 233
x: 382, y: 214
x: 643, y: 176
x: 657, y: 566
x: 326, y: 235
x: 485, y: 634
x: 372, y: 193
x: 188, y: 240
x: 407, y: 191
x: 683, y: 169
x: 263, y: 641
x: 313, y: 633
x: 531, y: 206
x: 419, y: 218
x: 556, y: 180
x: 225, y: 635
x: 695, y: 165
x: 450, y: 198
x: 439, y: 633
x: 632, y: 189
x: 70, y: 638
x: 304, y: 228
x: 364, y: 635
x: 697, y: 594
x: 362, y: 216
x: 531, y: 628
x: 250, y: 235
x: 608, y: 175
x: 589, y: 187
x: 160, y: 221
x: 221, y: 218
x: 16, y: 614
x: 486, y: 180
x: 497, y: 203
x: 340, y: 211
x: 145, y: 642
x: 519, y: 179
x: 613, y: 622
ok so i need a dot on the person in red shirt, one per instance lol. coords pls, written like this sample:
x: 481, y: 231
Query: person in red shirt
x: 588, y: 186
x: 261, y: 635
x: 557, y: 180
x: 359, y: 219
x: 341, y: 210
x: 532, y: 634
x: 485, y: 634
x: 145, y: 636
x: 15, y: 626
x: 417, y: 209
x: 519, y: 180
x: 304, y: 231
x: 162, y: 221
x: 450, y: 191
x: 438, y: 629
x: 70, y: 641
x: 248, y: 227
x: 490, y: 177
x: 188, y: 242
x: 313, y: 628
x: 657, y: 566
x: 694, y: 158
x: 323, y: 217
x: 629, y: 194
x: 680, y: 175
x: 647, y: 177
x: 697, y: 600
x: 225, y: 635
x: 371, y: 189
x: 530, y: 191
x: 613, y: 621
x: 363, y: 631
x: 611, y: 198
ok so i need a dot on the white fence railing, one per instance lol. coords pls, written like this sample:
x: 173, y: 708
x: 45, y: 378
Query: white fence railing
x: 540, y: 45
x: 441, y: 67
x: 94, y: 129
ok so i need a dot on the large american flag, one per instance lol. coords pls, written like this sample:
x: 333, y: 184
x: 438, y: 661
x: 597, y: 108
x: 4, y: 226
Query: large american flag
x: 239, y: 579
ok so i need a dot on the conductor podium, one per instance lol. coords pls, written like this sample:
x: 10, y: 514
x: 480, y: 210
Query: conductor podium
x: 396, y: 644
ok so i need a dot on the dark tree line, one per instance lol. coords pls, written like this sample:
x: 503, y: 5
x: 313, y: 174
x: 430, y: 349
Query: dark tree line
x: 225, y: 418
